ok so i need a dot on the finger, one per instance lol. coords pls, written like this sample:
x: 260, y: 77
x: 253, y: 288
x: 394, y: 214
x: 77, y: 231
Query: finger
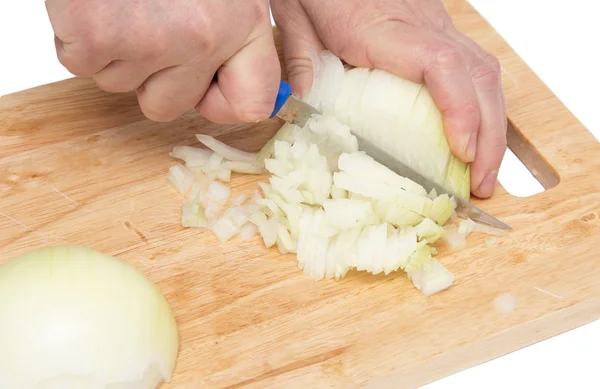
x: 123, y: 76
x: 300, y: 40
x: 126, y: 76
x: 492, y: 133
x: 170, y: 92
x: 247, y: 84
x: 486, y: 73
x: 429, y: 58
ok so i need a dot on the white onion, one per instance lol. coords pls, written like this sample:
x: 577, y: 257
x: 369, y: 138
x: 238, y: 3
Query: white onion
x: 225, y: 151
x: 193, y: 156
x: 224, y: 174
x: 243, y: 167
x: 225, y: 229
x: 181, y: 178
x: 455, y: 239
x: 219, y: 192
x: 213, y: 164
x: 248, y: 231
x: 239, y: 199
x: 212, y: 210
x: 74, y: 318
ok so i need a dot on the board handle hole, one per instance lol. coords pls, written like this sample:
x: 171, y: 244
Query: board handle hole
x: 524, y: 172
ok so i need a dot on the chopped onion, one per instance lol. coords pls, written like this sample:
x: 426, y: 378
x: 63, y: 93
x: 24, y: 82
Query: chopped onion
x: 192, y: 156
x: 239, y: 199
x: 243, y: 167
x: 75, y: 318
x: 225, y: 151
x: 238, y: 215
x: 466, y: 226
x: 224, y: 228
x: 213, y: 210
x: 213, y: 164
x: 181, y: 178
x: 248, y: 231
x: 219, y: 192
x: 431, y: 278
x: 224, y: 174
x: 454, y: 238
x: 490, y: 241
x: 193, y: 215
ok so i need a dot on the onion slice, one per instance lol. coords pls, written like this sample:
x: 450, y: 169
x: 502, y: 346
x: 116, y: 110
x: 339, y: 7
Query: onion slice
x: 226, y: 151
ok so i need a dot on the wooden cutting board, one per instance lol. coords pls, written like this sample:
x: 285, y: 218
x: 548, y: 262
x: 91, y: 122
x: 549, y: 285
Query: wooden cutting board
x: 80, y: 166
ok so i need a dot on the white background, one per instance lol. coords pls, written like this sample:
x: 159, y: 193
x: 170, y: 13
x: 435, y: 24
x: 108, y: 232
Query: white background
x: 558, y: 39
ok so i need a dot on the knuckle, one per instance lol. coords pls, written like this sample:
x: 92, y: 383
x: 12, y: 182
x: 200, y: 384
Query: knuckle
x: 258, y: 10
x: 202, y: 32
x: 488, y: 72
x: 150, y: 44
x: 445, y: 55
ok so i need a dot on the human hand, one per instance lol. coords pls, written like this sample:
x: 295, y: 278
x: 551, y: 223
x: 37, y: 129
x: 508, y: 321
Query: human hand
x: 416, y: 40
x: 168, y: 51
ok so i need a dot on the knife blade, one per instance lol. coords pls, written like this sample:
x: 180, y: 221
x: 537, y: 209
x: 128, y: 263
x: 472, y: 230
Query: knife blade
x: 296, y: 111
x: 464, y: 208
x: 290, y: 108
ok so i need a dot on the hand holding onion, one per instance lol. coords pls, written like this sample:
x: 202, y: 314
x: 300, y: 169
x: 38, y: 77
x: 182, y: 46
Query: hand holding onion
x: 417, y: 41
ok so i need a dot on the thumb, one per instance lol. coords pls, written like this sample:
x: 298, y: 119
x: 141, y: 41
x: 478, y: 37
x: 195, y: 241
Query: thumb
x: 300, y: 43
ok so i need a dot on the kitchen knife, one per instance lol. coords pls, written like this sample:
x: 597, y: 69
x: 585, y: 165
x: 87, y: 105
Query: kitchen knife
x: 293, y: 110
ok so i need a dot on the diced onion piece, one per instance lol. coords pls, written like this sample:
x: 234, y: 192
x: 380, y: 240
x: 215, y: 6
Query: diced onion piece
x: 243, y: 167
x: 490, y: 241
x: 429, y: 231
x: 226, y: 151
x: 466, y: 226
x: 213, y: 210
x: 213, y: 164
x: 219, y: 192
x: 346, y: 213
x: 431, y: 278
x: 192, y: 215
x: 224, y: 174
x: 248, y: 231
x: 455, y: 239
x: 239, y: 199
x: 225, y: 229
x: 338, y: 193
x: 192, y: 156
x: 237, y: 215
x: 268, y: 231
x: 181, y: 178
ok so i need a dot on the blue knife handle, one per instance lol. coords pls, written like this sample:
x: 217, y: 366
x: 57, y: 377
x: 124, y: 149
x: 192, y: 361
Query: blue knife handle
x: 285, y: 90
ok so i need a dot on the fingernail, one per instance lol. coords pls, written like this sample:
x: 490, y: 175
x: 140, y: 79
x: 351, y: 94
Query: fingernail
x: 488, y: 184
x: 471, y: 148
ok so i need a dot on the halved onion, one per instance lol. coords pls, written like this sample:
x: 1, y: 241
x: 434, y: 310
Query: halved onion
x: 74, y: 318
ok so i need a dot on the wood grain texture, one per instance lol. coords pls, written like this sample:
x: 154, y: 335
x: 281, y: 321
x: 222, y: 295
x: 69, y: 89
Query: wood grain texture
x: 80, y: 166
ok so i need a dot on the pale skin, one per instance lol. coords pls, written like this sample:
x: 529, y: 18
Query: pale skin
x: 168, y: 52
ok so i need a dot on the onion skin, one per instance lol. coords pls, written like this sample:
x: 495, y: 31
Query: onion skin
x: 81, y: 319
